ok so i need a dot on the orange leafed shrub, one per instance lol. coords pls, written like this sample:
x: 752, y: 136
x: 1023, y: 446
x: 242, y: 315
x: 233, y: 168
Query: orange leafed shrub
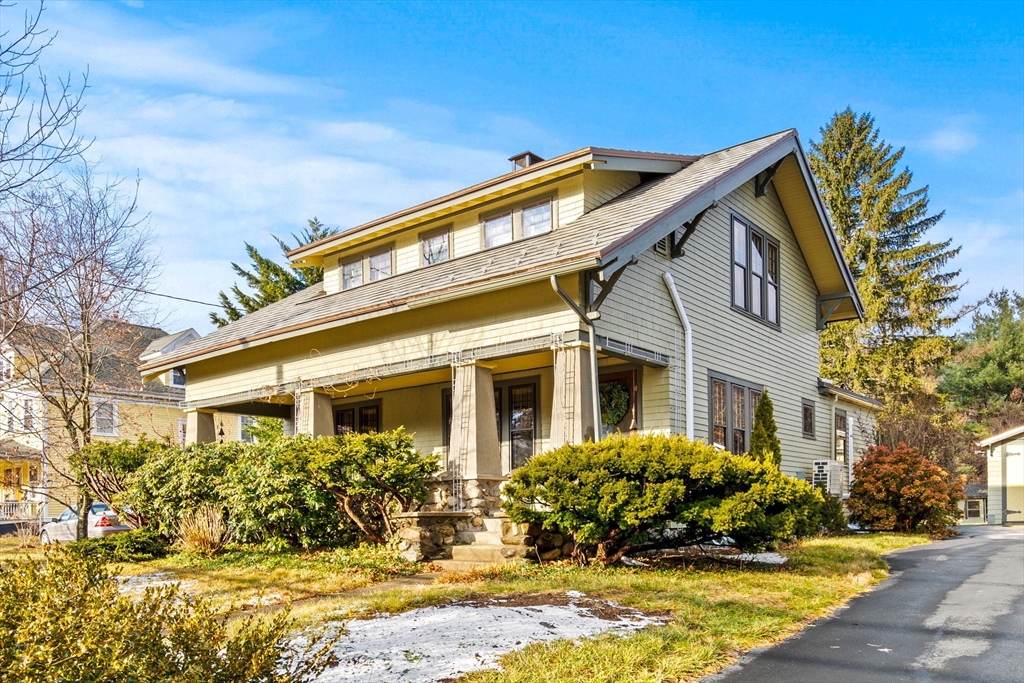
x: 900, y: 490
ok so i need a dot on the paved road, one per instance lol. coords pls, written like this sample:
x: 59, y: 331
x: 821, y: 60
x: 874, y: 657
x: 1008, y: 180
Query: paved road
x: 952, y: 610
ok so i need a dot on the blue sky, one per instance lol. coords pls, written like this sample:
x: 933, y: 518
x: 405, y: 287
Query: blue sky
x: 243, y: 120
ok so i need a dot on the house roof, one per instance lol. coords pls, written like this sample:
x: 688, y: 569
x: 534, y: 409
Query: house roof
x: 1008, y: 435
x: 609, y: 234
x: 825, y: 386
x: 976, y: 490
x: 167, y: 343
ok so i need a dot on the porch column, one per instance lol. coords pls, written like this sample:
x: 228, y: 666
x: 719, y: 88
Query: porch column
x: 475, y: 451
x: 199, y: 427
x: 572, y: 412
x: 316, y: 417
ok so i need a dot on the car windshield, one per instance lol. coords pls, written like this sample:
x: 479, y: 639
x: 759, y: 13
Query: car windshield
x: 97, y: 508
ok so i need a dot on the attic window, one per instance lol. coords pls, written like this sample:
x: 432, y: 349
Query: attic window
x: 369, y: 267
x: 525, y: 220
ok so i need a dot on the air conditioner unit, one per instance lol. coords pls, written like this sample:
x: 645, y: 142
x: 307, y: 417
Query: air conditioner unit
x: 828, y: 473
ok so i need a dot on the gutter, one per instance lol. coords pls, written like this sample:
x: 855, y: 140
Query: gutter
x: 688, y: 353
x: 594, y: 378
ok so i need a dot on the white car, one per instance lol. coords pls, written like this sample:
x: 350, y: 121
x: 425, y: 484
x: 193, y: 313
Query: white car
x: 102, y: 522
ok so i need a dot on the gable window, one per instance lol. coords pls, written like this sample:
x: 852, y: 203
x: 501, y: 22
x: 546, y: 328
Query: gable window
x: 178, y: 377
x: 807, y: 418
x: 755, y: 272
x: 363, y: 418
x: 498, y: 230
x: 104, y: 419
x: 733, y: 403
x: 434, y: 247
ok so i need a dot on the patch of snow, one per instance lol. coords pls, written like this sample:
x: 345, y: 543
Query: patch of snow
x: 576, y: 594
x: 630, y: 562
x: 762, y: 558
x: 438, y: 643
x: 138, y: 584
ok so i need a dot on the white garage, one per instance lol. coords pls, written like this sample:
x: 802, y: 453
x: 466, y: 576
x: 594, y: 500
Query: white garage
x: 1005, y: 460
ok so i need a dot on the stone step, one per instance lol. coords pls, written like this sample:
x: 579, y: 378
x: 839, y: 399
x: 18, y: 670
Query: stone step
x: 492, y: 525
x: 477, y: 553
x: 478, y: 537
x: 464, y: 565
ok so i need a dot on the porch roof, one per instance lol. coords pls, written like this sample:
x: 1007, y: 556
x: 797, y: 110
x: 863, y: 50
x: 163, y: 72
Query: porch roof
x: 607, y: 235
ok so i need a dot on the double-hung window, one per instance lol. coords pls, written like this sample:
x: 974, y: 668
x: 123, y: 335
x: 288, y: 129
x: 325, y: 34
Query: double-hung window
x: 178, y: 377
x: 841, y: 435
x: 528, y: 220
x: 371, y: 267
x: 733, y: 403
x: 755, y: 272
x: 807, y: 418
x: 104, y: 419
x: 364, y: 418
x: 434, y: 247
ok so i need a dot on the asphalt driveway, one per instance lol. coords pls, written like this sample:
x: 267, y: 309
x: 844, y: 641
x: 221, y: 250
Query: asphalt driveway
x: 952, y: 610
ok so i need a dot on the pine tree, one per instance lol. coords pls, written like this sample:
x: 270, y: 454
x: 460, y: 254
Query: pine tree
x: 764, y: 442
x: 269, y: 280
x: 902, y: 279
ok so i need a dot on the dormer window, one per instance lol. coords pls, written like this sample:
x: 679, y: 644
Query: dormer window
x: 178, y: 377
x: 528, y: 220
x: 498, y: 231
x: 369, y: 267
x: 434, y: 247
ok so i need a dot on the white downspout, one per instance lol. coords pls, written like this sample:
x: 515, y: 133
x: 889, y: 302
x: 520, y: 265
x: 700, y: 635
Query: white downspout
x: 595, y: 380
x: 688, y: 352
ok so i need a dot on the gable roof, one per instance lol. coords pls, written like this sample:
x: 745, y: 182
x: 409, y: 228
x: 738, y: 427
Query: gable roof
x: 611, y: 233
x: 168, y: 343
x: 1008, y: 435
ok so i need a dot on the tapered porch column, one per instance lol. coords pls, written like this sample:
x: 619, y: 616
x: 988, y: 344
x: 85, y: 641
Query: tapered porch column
x: 475, y: 452
x: 316, y: 417
x: 199, y: 426
x: 572, y: 412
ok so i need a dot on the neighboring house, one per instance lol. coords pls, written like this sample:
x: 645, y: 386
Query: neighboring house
x: 975, y: 504
x: 476, y: 320
x: 34, y: 444
x: 851, y: 421
x: 1005, y: 464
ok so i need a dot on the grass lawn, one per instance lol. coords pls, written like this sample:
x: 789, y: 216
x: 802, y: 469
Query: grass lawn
x: 717, y: 611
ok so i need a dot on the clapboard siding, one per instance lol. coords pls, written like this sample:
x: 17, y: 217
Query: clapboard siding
x: 600, y: 187
x: 784, y: 359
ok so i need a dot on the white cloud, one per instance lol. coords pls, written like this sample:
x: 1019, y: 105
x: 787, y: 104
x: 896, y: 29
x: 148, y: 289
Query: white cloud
x: 954, y: 138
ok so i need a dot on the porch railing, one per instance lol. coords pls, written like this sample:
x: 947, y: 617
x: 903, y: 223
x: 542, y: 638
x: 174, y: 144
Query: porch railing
x: 19, y: 509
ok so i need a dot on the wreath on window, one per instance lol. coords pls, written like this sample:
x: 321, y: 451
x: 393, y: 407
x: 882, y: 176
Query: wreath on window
x: 614, y: 403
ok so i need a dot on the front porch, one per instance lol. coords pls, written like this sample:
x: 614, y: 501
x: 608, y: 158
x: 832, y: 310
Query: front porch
x: 22, y: 490
x: 483, y: 411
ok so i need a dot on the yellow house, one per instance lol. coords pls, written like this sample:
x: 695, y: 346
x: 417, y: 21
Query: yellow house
x: 36, y: 480
x: 490, y: 321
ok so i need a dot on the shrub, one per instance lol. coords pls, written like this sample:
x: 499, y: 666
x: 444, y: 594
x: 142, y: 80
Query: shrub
x: 203, y: 530
x: 64, y: 619
x: 900, y: 490
x: 138, y: 545
x: 764, y: 442
x: 106, y: 468
x: 831, y: 515
x: 372, y: 476
x: 622, y: 493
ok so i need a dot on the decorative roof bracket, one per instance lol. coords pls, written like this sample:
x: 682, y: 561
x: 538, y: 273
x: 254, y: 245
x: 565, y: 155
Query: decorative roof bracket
x: 826, y: 305
x: 761, y: 184
x: 605, y: 284
x: 676, y: 243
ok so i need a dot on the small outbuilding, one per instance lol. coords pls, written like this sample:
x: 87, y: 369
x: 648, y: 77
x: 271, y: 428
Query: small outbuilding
x: 1005, y: 460
x: 974, y: 507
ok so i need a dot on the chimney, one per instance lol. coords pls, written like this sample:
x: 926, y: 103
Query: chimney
x: 524, y: 159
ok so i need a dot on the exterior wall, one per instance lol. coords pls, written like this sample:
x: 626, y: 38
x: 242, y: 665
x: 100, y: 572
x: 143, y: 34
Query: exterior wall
x: 983, y: 519
x: 726, y: 341
x: 516, y: 313
x: 1006, y: 481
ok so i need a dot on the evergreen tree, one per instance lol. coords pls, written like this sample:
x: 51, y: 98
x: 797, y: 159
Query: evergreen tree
x: 269, y: 280
x: 902, y: 279
x: 764, y: 442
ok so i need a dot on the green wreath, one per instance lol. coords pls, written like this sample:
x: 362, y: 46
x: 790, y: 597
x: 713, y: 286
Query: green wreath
x: 614, y: 403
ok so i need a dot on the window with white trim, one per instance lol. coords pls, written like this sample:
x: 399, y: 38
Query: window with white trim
x: 182, y: 430
x: 244, y: 422
x: 973, y: 509
x: 28, y: 415
x: 755, y: 271
x: 178, y: 377
x: 6, y: 369
x: 104, y: 419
